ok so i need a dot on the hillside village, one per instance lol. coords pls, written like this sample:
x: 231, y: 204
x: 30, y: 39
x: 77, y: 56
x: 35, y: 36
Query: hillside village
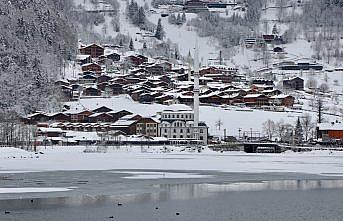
x: 106, y: 71
x: 264, y: 77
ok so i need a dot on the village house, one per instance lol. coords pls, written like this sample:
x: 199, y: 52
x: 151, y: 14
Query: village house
x: 195, y: 6
x: 330, y: 131
x: 100, y: 117
x: 81, y: 117
x: 147, y: 126
x: 91, y: 91
x: 60, y: 117
x: 83, y: 59
x: 295, y: 83
x: 92, y: 67
x: 36, y: 118
x: 282, y: 100
x: 256, y: 100
x: 49, y: 135
x: 116, y: 115
x: 87, y: 79
x: 102, y: 109
x: 93, y: 50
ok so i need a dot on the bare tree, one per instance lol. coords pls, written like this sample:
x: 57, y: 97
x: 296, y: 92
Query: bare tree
x: 311, y: 83
x: 324, y: 88
x: 307, y: 124
x: 269, y: 128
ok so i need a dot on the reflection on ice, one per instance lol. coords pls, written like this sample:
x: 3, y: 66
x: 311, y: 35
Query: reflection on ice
x: 190, y: 191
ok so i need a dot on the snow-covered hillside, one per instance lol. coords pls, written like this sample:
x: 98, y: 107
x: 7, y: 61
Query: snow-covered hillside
x: 233, y: 118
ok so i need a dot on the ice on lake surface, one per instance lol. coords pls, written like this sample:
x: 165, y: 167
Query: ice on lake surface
x: 217, y: 196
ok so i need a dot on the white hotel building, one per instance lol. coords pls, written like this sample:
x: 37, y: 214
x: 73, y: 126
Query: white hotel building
x: 178, y: 126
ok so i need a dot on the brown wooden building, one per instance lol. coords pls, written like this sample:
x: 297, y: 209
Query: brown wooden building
x: 93, y: 50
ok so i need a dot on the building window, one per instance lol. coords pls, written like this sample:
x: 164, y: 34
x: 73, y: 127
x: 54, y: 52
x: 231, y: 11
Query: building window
x: 181, y: 136
x: 177, y: 116
x: 188, y: 130
x: 201, y: 138
x: 181, y: 115
x: 201, y: 131
x: 174, y: 130
x: 174, y: 136
x: 181, y: 131
x: 165, y: 131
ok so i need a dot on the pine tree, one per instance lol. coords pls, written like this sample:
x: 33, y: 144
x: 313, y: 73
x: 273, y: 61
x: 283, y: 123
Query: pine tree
x: 159, y: 34
x: 183, y: 18
x: 298, y: 133
x: 274, y: 31
x: 178, y: 19
x: 172, y: 19
x: 131, y: 47
x: 141, y: 16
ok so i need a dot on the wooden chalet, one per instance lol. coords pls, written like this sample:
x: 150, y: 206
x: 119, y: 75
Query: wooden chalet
x: 116, y: 115
x: 102, y: 109
x: 83, y: 59
x: 256, y: 100
x: 81, y: 117
x: 36, y: 118
x: 87, y: 79
x: 91, y: 91
x: 60, y: 117
x: 100, y: 117
x: 93, y: 67
x: 93, y: 50
x: 330, y: 131
x: 103, y: 78
x: 282, y: 100
x: 295, y: 83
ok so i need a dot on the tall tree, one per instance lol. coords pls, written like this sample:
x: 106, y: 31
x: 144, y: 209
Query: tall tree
x: 159, y: 34
x: 298, y: 133
x: 131, y: 47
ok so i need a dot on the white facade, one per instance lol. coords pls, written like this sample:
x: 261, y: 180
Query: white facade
x: 179, y: 126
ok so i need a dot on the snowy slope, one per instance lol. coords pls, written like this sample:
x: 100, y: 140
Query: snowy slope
x: 185, y: 36
x: 233, y: 119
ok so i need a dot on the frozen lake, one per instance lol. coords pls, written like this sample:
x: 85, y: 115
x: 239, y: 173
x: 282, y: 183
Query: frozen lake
x: 169, y: 195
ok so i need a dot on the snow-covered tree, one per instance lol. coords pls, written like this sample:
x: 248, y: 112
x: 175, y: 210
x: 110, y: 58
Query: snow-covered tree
x: 269, y: 128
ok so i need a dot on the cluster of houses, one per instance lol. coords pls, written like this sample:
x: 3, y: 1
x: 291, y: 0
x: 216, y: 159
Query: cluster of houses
x: 173, y: 126
x: 196, y: 6
x: 106, y: 72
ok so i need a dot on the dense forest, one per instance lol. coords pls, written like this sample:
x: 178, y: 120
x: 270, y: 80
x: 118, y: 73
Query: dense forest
x: 36, y: 38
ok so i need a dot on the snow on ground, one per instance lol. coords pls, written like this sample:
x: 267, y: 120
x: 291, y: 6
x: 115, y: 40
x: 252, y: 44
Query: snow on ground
x: 160, y: 175
x: 233, y: 118
x: 185, y: 36
x: 132, y: 158
x: 33, y: 190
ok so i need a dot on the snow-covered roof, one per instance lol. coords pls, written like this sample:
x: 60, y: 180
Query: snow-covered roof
x: 50, y: 130
x: 280, y: 96
x: 252, y: 95
x: 330, y: 126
